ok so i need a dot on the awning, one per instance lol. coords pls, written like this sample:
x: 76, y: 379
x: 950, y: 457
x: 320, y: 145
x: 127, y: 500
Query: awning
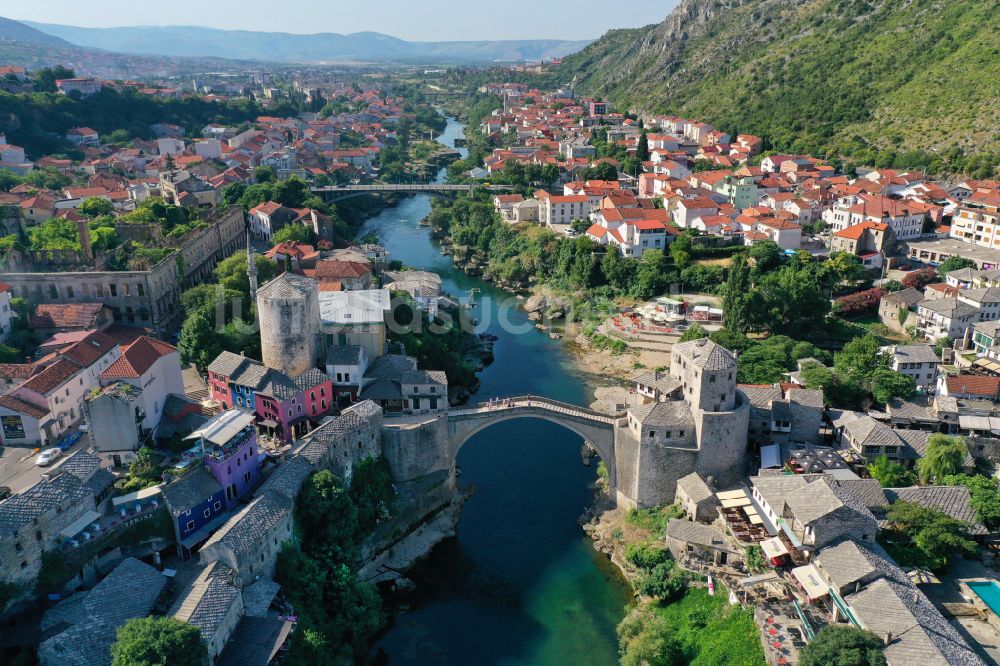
x: 770, y: 456
x: 269, y: 423
x: 137, y: 496
x: 810, y: 580
x: 730, y: 503
x: 223, y: 426
x: 756, y: 520
x: 731, y: 494
x: 80, y: 524
x: 774, y: 547
x: 987, y: 364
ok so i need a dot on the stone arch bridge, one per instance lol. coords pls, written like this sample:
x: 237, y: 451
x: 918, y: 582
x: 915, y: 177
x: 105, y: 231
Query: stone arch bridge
x: 595, y: 427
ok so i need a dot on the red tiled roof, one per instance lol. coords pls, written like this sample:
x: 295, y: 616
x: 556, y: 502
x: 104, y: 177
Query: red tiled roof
x: 138, y: 358
x: 335, y: 268
x: 21, y: 407
x: 52, y: 377
x: 17, y: 370
x: 973, y: 385
x: 66, y: 315
x: 86, y: 352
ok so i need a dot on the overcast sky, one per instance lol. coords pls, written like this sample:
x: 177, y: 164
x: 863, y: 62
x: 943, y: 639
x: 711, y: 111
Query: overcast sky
x: 422, y: 20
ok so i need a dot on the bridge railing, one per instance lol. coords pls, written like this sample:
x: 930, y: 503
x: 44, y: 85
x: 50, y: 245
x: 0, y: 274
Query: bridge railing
x: 536, y: 401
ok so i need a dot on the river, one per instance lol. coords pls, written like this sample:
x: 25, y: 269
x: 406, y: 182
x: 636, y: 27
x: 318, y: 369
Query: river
x: 520, y: 583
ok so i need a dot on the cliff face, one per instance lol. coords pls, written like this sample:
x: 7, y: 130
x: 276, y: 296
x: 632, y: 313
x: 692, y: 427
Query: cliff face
x: 820, y: 75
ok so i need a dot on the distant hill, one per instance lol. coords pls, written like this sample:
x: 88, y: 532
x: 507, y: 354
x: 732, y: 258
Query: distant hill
x: 286, y: 47
x: 15, y: 31
x: 24, y: 46
x: 911, y: 78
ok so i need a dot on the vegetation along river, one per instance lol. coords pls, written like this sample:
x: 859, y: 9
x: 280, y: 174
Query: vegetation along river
x: 520, y: 583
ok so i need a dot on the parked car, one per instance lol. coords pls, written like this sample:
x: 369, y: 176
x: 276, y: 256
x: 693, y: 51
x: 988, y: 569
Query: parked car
x: 84, y: 426
x: 46, y: 457
x: 4, y: 493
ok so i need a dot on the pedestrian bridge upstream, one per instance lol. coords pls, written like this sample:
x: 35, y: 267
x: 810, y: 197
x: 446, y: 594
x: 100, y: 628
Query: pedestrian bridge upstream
x: 595, y: 427
x: 332, y: 193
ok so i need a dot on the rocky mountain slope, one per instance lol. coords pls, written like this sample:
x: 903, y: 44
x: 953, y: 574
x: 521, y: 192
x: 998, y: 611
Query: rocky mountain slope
x: 917, y: 78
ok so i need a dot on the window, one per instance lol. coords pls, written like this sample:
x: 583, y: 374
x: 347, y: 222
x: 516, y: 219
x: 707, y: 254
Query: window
x: 652, y: 433
x: 217, y: 505
x: 189, y: 526
x: 312, y: 395
x: 711, y: 379
x: 208, y: 513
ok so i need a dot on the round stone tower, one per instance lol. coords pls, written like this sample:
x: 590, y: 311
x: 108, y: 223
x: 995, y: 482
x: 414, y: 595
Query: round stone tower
x: 288, y: 311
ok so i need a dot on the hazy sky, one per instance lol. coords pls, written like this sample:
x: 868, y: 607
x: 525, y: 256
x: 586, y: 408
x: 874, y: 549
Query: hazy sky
x: 423, y: 20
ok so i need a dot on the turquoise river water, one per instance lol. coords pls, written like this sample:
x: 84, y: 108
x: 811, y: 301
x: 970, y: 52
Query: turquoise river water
x: 520, y: 583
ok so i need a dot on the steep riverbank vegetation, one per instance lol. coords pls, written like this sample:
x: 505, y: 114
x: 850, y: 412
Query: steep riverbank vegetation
x: 338, y: 614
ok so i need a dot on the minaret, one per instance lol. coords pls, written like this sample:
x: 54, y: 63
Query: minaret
x: 251, y: 266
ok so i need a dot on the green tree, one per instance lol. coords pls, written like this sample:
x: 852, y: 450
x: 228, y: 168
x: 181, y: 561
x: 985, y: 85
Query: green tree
x: 944, y: 457
x: 232, y: 193
x: 888, y: 384
x: 843, y: 645
x: 891, y: 474
x: 158, y: 641
x: 642, y: 149
x: 860, y: 358
x: 265, y: 174
x: 46, y: 77
x: 231, y: 272
x: 738, y: 297
x: 293, y: 233
x: 95, y: 206
x: 933, y: 536
x: 766, y: 256
x: 198, y: 342
x: 695, y: 332
x: 984, y: 495
x: 954, y: 264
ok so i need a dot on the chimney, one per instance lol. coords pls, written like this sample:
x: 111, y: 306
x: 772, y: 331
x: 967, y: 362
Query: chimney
x: 85, y: 246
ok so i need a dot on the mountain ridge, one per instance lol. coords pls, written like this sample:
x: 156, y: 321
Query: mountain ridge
x: 851, y: 77
x: 200, y: 41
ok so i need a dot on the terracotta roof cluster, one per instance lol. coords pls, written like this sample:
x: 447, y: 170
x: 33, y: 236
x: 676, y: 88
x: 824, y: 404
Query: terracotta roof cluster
x: 66, y: 315
x: 138, y: 358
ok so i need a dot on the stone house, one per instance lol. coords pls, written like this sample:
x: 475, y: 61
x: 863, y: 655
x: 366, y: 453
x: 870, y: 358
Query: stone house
x: 687, y: 540
x: 784, y: 416
x: 916, y: 361
x: 344, y: 441
x: 131, y: 590
x: 30, y: 521
x: 891, y: 307
x: 697, y: 499
x: 249, y: 542
x: 212, y: 603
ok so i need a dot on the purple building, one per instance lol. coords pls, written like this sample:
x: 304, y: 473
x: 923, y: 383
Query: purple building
x: 229, y: 449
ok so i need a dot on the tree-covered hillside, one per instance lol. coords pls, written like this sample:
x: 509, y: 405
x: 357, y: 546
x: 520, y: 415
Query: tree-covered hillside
x: 907, y: 82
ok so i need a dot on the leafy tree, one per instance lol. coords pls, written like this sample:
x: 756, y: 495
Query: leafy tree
x: 46, y: 77
x: 860, y: 358
x: 891, y: 474
x: 293, y: 233
x: 232, y: 193
x: 198, y: 342
x: 944, y: 457
x: 738, y: 297
x: 793, y: 302
x: 954, y: 264
x: 665, y: 581
x: 158, y: 641
x: 984, y: 495
x: 766, y: 256
x: 94, y: 206
x: 844, y: 268
x: 265, y: 174
x: 933, y: 536
x: 695, y: 332
x: 753, y: 557
x: 843, y: 645
x: 888, y: 384
x: 231, y: 272
x: 838, y: 391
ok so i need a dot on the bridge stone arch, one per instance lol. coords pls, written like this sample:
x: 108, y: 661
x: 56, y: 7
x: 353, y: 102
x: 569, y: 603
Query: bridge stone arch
x: 594, y: 427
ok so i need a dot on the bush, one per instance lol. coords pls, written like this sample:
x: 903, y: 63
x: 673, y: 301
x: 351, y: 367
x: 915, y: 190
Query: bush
x: 157, y: 641
x: 920, y: 279
x: 858, y: 303
x: 665, y: 581
x: 843, y: 644
x: 646, y: 556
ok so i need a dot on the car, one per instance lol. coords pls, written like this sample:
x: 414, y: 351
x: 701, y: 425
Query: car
x: 84, y: 427
x: 4, y: 493
x: 46, y: 457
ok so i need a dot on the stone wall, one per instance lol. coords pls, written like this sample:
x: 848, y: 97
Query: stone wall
x: 722, y: 442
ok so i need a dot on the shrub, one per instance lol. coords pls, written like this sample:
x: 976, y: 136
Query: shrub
x: 646, y: 556
x: 858, y: 303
